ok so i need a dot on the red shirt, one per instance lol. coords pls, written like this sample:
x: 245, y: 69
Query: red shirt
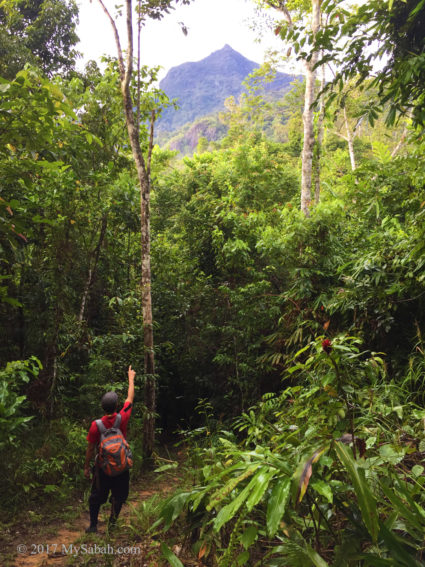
x: 93, y: 436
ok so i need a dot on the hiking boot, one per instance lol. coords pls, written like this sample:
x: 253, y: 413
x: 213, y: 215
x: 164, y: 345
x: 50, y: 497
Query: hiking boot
x: 91, y: 530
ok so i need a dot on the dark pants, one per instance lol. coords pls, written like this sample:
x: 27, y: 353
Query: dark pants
x: 102, y: 485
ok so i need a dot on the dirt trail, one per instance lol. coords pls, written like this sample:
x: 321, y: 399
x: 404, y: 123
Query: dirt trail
x: 51, y: 551
x: 64, y: 545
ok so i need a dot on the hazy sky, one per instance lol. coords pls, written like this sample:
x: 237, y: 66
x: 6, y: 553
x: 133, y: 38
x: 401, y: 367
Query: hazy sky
x: 211, y: 25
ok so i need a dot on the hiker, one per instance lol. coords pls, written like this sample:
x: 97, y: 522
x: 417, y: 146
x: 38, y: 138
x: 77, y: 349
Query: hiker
x: 113, y: 459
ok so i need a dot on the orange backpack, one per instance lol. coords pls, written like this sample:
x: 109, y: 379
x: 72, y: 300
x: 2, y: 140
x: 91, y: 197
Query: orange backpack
x: 114, y: 453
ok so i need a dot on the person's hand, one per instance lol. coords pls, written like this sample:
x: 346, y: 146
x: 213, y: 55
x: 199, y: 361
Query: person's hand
x: 131, y: 373
x: 87, y: 472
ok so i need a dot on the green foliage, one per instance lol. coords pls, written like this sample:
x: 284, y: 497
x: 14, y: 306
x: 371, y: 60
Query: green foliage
x: 68, y: 283
x: 144, y: 514
x: 43, y: 463
x: 324, y: 470
x: 172, y: 559
x: 311, y: 503
x: 223, y: 207
x: 395, y: 28
x: 197, y: 136
x: 12, y: 405
x: 38, y: 32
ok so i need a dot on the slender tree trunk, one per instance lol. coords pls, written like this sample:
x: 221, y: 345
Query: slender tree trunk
x: 143, y: 176
x: 93, y: 260
x: 144, y: 183
x: 308, y: 119
x: 308, y: 143
x: 400, y: 143
x: 349, y: 138
x: 21, y: 313
x: 350, y: 141
x: 320, y: 136
x: 308, y: 114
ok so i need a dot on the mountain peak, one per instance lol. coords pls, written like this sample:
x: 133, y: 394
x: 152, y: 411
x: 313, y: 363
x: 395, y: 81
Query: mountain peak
x: 201, y: 87
x: 228, y: 53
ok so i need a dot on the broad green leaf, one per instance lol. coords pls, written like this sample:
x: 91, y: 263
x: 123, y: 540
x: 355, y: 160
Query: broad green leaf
x: 304, y: 472
x: 172, y: 559
x: 417, y: 470
x: 228, y: 512
x: 374, y: 561
x: 277, y: 504
x: 391, y: 454
x: 249, y: 536
x: 225, y: 490
x: 302, y: 554
x: 315, y: 558
x: 259, y: 487
x: 166, y: 467
x: 398, y: 550
x: 323, y: 488
x: 242, y: 558
x: 409, y: 514
x: 173, y: 508
x: 417, y: 9
x: 366, y: 501
x: 298, y: 353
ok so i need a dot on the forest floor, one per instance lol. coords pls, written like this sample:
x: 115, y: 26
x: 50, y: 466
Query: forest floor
x: 59, y: 539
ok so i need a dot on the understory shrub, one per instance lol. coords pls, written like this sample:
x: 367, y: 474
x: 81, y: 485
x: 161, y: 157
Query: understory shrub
x: 327, y: 472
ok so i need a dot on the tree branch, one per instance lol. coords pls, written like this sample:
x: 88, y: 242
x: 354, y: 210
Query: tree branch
x: 400, y: 143
x: 117, y: 39
x: 280, y: 5
x: 340, y: 135
x: 129, y: 67
x: 139, y: 29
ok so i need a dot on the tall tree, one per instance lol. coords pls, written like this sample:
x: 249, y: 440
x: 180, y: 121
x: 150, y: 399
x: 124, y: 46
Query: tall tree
x: 40, y: 32
x: 131, y: 102
x: 310, y: 62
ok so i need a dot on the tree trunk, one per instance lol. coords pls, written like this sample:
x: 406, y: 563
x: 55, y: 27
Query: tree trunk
x: 308, y: 118
x: 320, y: 136
x: 143, y: 176
x: 400, y: 143
x: 350, y: 142
x: 92, y: 268
x: 149, y: 360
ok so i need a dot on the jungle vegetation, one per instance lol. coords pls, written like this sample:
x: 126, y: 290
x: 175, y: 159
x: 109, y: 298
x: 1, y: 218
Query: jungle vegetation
x: 288, y: 338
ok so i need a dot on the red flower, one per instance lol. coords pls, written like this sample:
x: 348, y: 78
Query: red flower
x: 327, y: 346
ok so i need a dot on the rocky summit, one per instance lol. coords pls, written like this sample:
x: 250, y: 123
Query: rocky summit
x: 201, y: 87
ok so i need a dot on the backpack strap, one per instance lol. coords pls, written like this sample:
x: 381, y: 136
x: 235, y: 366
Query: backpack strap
x: 100, y: 426
x: 117, y: 422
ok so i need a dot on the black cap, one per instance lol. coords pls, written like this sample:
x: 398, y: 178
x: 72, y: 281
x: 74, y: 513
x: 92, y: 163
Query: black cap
x: 110, y: 402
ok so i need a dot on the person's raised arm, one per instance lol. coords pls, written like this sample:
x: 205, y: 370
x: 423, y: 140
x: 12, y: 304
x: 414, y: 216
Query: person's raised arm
x: 131, y: 375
